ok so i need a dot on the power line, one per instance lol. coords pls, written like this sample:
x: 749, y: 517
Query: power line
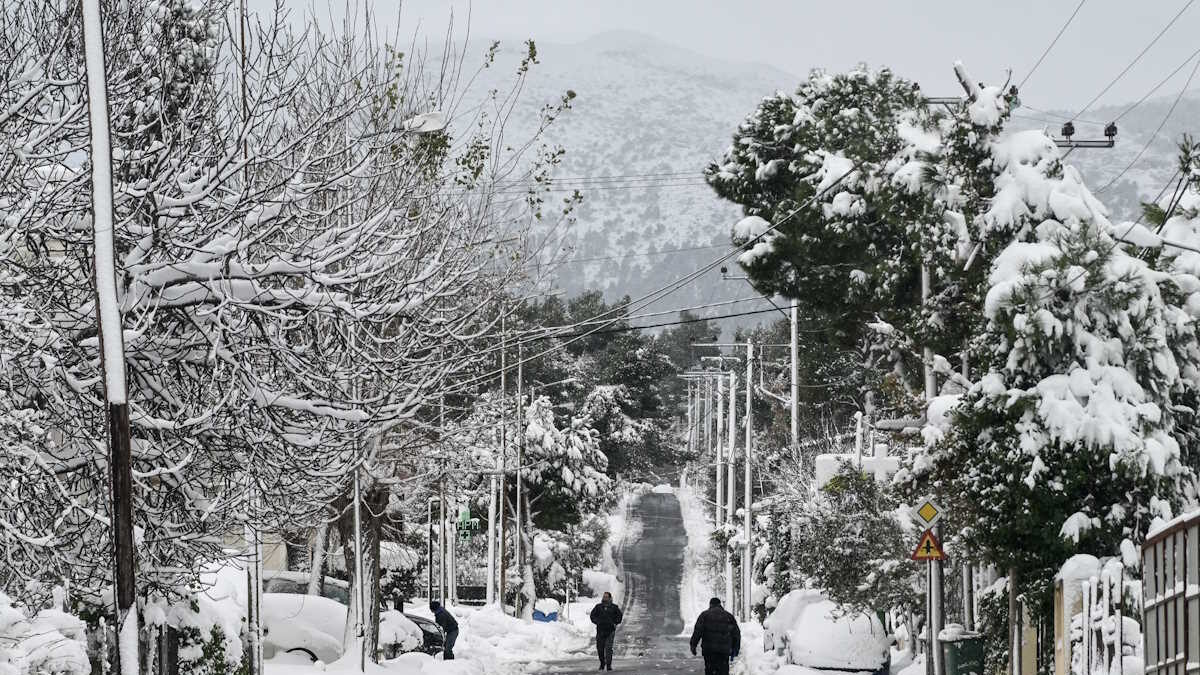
x: 1117, y: 240
x: 610, y: 177
x: 1153, y: 136
x: 1136, y: 59
x: 1157, y: 86
x: 678, y: 322
x: 1060, y: 117
x: 593, y: 188
x: 679, y: 310
x: 1052, y: 43
x: 662, y: 292
x: 640, y: 255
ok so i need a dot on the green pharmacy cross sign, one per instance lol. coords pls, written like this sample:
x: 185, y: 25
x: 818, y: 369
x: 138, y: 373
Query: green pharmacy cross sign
x: 466, y: 524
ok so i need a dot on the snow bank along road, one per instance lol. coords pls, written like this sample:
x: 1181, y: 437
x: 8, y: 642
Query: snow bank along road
x: 649, y: 640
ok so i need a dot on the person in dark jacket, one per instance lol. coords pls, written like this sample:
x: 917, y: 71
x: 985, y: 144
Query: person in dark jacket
x: 606, y: 616
x: 449, y: 627
x: 719, y: 638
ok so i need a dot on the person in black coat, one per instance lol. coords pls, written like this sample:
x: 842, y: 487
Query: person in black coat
x: 718, y: 635
x: 449, y: 627
x: 607, y: 616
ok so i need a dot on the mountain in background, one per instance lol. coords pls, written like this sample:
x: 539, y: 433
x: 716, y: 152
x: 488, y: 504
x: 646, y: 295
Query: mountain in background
x: 649, y: 117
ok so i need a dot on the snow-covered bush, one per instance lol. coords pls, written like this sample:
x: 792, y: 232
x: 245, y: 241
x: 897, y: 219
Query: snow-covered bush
x: 51, y: 642
x: 848, y: 541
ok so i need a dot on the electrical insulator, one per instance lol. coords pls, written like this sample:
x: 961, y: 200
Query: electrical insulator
x: 1110, y: 131
x: 1068, y: 130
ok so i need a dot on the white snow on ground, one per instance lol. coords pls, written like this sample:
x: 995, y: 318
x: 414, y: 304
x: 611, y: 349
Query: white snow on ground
x: 695, y: 589
x: 489, y: 643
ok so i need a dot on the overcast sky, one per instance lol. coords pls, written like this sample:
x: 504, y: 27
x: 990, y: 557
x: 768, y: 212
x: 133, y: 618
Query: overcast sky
x: 920, y: 39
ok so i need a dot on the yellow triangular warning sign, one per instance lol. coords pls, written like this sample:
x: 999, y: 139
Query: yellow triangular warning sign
x: 929, y: 548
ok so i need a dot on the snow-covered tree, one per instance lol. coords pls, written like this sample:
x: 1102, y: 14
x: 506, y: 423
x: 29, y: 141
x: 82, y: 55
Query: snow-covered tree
x: 1072, y: 437
x: 307, y: 239
x: 821, y: 164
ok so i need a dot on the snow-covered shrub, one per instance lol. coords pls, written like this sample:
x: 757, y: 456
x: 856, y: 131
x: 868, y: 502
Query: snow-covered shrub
x: 51, y: 642
x: 850, y: 543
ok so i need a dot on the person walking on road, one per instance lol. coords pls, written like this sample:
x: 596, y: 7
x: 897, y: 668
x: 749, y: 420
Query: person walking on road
x: 606, y: 616
x: 449, y: 627
x: 719, y: 638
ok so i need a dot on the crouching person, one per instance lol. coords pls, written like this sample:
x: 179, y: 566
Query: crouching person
x: 449, y: 627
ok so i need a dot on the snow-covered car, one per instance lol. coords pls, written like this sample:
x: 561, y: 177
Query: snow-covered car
x: 312, y: 625
x: 808, y: 630
x: 275, y: 581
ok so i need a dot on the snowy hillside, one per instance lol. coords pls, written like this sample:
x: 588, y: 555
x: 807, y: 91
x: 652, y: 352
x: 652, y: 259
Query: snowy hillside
x: 645, y: 107
x: 660, y: 113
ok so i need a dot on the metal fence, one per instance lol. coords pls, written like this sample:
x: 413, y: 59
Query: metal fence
x: 1171, y: 599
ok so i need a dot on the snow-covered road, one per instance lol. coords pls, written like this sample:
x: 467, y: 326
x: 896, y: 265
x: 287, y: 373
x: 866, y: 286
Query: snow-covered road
x: 649, y: 640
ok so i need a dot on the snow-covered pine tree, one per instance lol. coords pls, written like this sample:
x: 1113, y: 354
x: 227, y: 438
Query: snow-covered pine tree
x: 1071, y: 438
x: 821, y: 165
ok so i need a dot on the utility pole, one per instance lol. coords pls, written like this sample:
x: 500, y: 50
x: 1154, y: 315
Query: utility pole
x: 490, y: 588
x: 936, y: 571
x: 429, y: 549
x: 795, y: 344
x: 501, y: 545
x: 708, y: 419
x: 968, y: 572
x: 359, y: 595
x: 520, y: 467
x: 747, y: 496
x: 442, y: 580
x: 112, y: 345
x: 691, y: 448
x: 720, y: 478
x: 730, y: 485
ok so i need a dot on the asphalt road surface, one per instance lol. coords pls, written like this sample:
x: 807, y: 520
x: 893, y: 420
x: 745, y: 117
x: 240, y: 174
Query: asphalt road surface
x: 649, y: 640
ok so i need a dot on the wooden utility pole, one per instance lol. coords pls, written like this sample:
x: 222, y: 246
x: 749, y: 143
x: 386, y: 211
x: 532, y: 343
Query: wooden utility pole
x: 112, y: 346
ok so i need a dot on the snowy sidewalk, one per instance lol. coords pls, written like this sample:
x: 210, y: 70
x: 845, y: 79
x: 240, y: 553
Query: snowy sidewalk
x: 489, y: 643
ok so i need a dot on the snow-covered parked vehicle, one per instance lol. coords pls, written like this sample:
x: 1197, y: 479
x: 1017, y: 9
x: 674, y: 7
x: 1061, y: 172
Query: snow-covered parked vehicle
x: 808, y: 630
x: 313, y: 625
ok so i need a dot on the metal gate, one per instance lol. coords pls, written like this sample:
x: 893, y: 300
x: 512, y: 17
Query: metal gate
x: 1171, y: 598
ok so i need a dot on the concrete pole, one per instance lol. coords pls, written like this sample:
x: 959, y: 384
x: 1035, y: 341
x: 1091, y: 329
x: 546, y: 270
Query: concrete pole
x: 503, y: 495
x: 795, y: 345
x: 968, y: 570
x: 490, y: 591
x: 708, y: 417
x: 429, y: 549
x: 518, y: 525
x: 747, y: 491
x: 359, y: 595
x: 442, y: 571
x: 720, y: 481
x: 936, y: 577
x: 730, y: 486
x: 690, y: 422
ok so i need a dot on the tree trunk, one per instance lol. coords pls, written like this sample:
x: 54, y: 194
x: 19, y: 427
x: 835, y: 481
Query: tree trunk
x: 528, y: 589
x: 317, y: 564
x: 374, y: 503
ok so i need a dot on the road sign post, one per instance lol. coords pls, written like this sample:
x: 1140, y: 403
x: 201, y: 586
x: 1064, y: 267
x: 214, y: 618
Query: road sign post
x: 928, y: 513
